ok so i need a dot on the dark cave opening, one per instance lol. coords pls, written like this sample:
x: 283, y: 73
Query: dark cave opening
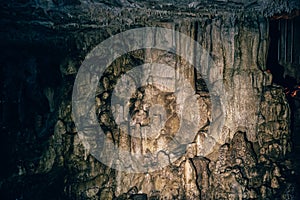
x: 283, y: 62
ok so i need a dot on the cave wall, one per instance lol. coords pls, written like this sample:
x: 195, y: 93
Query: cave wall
x: 250, y: 154
x: 255, y: 135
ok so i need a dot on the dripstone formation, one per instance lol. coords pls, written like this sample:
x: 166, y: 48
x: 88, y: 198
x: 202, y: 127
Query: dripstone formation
x: 248, y: 157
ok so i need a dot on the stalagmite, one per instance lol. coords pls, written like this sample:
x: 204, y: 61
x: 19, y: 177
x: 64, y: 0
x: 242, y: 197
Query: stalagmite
x: 191, y: 189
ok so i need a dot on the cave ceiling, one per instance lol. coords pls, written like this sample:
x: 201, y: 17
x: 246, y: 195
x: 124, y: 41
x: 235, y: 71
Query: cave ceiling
x: 60, y: 22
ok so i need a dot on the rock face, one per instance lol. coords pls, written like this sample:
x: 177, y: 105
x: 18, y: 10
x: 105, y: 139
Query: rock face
x: 245, y: 158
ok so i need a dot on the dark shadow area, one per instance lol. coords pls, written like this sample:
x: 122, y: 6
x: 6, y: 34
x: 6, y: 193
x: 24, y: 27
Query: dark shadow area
x: 27, y: 122
x: 289, y: 84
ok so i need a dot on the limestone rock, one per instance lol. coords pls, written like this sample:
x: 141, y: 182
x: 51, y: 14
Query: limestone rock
x: 237, y: 148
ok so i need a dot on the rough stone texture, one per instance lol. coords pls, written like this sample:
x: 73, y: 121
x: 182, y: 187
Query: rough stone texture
x: 80, y: 24
x: 250, y: 155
